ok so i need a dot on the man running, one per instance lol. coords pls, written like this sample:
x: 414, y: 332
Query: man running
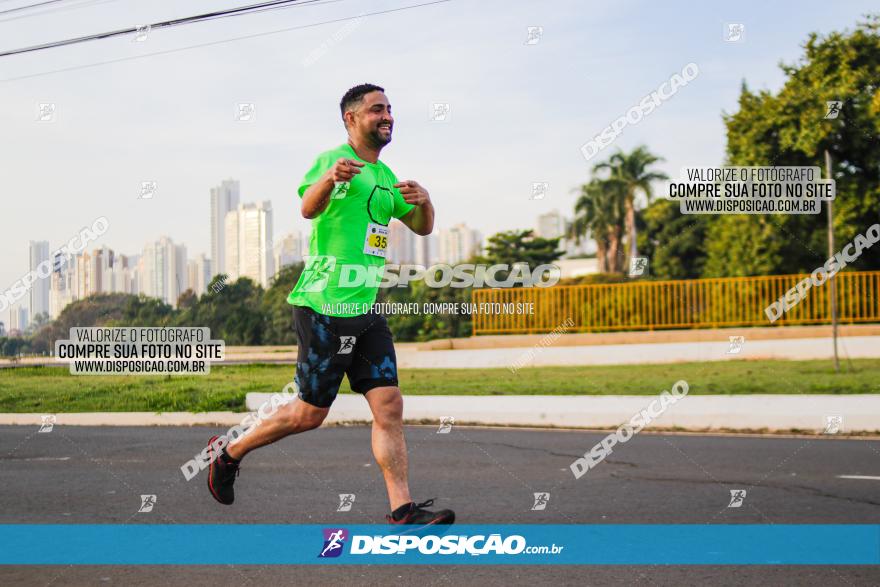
x: 350, y: 196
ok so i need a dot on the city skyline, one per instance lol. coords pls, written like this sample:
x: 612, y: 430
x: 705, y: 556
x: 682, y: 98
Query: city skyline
x: 164, y: 269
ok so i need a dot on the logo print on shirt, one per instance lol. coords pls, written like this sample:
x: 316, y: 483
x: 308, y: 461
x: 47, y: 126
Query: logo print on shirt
x: 341, y: 190
x: 316, y: 275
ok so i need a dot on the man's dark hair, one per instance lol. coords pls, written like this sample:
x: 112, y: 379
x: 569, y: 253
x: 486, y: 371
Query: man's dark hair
x: 355, y: 95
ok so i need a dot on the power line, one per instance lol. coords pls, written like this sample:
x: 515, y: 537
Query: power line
x: 224, y: 41
x: 159, y: 25
x: 62, y: 8
x: 20, y: 8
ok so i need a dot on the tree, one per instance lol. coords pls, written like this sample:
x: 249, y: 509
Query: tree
x: 277, y: 312
x: 187, y: 299
x: 115, y: 309
x: 232, y: 311
x: 38, y: 322
x: 507, y: 248
x: 675, y: 242
x: 599, y: 212
x: 790, y: 128
x: 425, y: 326
x: 632, y: 171
x: 520, y: 246
x: 11, y: 347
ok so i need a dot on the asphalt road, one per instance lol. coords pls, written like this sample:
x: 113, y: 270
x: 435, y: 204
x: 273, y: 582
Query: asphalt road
x: 96, y: 475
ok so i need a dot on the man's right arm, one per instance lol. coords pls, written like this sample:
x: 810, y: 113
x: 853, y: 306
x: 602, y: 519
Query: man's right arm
x: 317, y: 196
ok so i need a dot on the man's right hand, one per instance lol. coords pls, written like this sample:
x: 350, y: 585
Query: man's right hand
x: 317, y: 196
x: 344, y: 169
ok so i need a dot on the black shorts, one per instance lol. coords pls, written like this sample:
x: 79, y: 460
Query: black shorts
x: 329, y: 347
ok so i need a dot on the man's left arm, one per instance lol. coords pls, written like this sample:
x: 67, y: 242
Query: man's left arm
x: 420, y: 219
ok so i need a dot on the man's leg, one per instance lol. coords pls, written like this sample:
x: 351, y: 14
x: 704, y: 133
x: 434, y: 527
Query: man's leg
x: 297, y: 416
x: 319, y: 371
x: 389, y: 444
x: 292, y: 418
x: 316, y: 341
x: 373, y: 372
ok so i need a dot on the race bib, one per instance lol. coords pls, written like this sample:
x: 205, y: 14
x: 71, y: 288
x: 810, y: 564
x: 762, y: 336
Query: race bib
x: 376, y: 242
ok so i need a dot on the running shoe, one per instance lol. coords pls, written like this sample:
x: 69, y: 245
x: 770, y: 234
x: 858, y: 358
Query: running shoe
x: 419, y: 516
x: 221, y: 475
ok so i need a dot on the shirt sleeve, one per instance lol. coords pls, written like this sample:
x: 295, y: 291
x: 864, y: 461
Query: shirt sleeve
x: 319, y: 167
x: 401, y: 207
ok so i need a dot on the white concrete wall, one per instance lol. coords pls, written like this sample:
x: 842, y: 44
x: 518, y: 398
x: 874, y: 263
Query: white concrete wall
x: 853, y: 347
x: 694, y: 412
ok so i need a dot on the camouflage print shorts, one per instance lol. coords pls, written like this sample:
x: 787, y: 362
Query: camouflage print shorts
x: 330, y: 347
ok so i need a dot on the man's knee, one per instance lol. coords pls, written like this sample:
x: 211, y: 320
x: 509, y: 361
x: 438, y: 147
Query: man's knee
x: 301, y: 416
x: 389, y: 411
x: 312, y: 421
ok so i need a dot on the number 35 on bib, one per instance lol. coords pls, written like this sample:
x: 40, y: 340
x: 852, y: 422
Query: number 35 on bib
x: 376, y: 242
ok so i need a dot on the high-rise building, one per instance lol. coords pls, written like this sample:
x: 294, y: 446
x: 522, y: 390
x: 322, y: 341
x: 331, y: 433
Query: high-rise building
x: 99, y: 264
x: 138, y: 283
x: 123, y: 275
x: 459, y: 243
x: 75, y: 277
x: 59, y: 296
x: 83, y: 278
x: 164, y: 273
x: 2, y: 329
x: 550, y: 225
x: 199, y: 274
x: 425, y: 250
x: 401, y: 244
x: 192, y: 275
x: 224, y: 198
x: 18, y: 319
x: 62, y: 284
x: 249, y: 243
x: 554, y: 225
x: 39, y: 293
x: 288, y: 250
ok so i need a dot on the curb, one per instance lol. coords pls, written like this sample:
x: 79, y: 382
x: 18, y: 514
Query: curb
x: 126, y: 419
x: 759, y: 412
x: 753, y: 414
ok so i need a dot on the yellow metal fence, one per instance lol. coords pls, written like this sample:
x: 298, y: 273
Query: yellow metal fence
x: 695, y: 303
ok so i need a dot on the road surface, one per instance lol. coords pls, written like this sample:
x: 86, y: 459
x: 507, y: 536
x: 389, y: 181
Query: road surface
x: 97, y: 474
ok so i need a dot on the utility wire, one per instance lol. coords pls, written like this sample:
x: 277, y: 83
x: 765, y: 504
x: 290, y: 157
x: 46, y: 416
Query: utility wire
x: 20, y: 8
x: 62, y: 8
x: 159, y: 25
x: 224, y: 41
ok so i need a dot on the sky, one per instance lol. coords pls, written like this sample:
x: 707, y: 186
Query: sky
x: 519, y: 112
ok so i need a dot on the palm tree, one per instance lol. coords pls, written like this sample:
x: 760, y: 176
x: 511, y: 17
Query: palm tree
x: 600, y: 210
x: 631, y: 169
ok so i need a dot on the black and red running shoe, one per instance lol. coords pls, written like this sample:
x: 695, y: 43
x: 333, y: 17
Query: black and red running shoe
x: 417, y: 515
x: 221, y: 475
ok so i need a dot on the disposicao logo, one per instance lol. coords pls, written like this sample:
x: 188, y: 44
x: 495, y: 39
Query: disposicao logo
x: 334, y: 541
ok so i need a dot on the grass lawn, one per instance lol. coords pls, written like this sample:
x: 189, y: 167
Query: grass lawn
x: 53, y: 389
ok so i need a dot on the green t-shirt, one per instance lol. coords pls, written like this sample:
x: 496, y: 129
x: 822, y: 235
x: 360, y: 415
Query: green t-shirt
x: 339, y: 244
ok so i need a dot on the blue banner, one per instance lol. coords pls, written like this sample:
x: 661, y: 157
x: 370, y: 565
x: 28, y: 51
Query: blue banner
x: 611, y: 544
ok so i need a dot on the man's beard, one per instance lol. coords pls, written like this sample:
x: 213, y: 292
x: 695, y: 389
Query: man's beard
x: 378, y: 139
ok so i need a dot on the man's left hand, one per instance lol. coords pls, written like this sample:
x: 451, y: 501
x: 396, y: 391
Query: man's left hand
x: 413, y: 193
